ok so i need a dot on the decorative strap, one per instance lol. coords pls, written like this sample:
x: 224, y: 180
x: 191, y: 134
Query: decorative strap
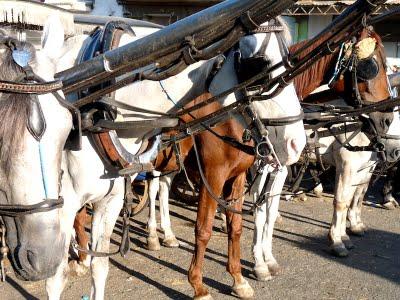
x: 30, y: 88
x: 268, y: 29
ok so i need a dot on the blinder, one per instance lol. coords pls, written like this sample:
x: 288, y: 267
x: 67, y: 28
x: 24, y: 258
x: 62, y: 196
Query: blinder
x: 246, y: 68
x: 36, y: 122
x: 367, y: 68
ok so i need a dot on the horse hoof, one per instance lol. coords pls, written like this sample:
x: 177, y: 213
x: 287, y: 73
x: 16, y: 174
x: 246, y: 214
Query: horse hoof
x: 275, y: 269
x: 205, y: 297
x: 243, y: 290
x: 262, y: 274
x: 339, y: 251
x: 170, y: 242
x: 348, y: 244
x: 77, y: 269
x: 153, y: 244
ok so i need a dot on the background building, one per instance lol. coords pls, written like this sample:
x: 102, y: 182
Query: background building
x: 306, y: 18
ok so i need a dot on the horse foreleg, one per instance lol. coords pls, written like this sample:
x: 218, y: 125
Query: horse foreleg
x: 260, y: 269
x: 169, y: 237
x: 234, y: 224
x: 344, y: 191
x: 55, y: 284
x: 152, y: 240
x: 105, y: 215
x: 272, y: 215
x: 204, y: 223
x: 357, y: 227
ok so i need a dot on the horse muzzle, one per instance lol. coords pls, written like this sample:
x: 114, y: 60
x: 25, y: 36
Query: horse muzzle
x: 35, y: 254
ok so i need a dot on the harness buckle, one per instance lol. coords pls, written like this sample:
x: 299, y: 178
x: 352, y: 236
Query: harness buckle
x: 246, y: 137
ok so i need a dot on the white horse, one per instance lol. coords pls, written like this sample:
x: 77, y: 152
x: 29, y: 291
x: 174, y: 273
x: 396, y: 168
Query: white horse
x: 353, y: 174
x: 33, y: 132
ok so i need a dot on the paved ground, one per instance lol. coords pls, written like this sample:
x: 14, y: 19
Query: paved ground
x: 371, y: 272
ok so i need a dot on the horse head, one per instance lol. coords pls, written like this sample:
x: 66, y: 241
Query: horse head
x: 367, y: 82
x: 254, y: 53
x: 33, y: 131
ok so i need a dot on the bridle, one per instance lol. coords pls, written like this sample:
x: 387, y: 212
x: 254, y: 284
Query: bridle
x: 31, y: 84
x: 361, y: 71
x: 248, y: 67
x: 257, y: 127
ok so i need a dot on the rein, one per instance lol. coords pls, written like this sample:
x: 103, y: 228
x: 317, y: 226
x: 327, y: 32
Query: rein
x: 18, y: 210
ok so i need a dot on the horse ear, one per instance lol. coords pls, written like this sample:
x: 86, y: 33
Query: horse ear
x: 53, y: 37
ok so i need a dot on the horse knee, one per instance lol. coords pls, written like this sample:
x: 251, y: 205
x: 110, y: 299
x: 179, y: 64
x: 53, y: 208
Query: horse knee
x: 202, y: 236
x: 235, y: 232
x: 340, y: 206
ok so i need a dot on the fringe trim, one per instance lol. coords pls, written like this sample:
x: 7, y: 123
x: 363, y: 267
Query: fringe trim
x: 22, y: 13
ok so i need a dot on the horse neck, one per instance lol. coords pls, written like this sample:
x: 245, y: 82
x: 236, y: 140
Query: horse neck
x: 314, y: 76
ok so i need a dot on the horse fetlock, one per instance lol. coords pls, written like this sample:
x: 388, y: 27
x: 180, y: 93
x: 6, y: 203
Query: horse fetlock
x: 262, y: 273
x: 200, y: 291
x: 318, y: 190
x: 274, y: 268
x: 170, y: 242
x: 204, y: 297
x: 357, y: 230
x: 243, y: 290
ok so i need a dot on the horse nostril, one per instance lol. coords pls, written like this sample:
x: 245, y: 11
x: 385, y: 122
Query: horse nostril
x: 294, y: 145
x: 388, y: 122
x: 33, y: 260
